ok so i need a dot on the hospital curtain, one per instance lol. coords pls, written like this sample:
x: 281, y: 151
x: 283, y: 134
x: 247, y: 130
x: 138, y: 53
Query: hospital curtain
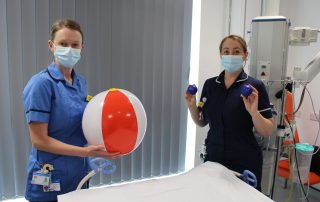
x: 142, y: 46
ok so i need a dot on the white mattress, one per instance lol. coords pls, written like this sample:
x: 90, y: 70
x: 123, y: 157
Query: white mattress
x: 207, y: 182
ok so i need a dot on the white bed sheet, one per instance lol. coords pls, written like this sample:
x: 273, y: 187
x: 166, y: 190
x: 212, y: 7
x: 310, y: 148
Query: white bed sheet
x: 207, y: 182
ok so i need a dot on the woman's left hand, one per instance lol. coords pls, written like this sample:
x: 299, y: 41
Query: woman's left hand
x: 251, y: 102
x: 100, y: 151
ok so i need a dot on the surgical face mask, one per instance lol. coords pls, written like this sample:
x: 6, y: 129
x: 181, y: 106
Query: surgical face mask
x: 67, y: 56
x: 232, y: 63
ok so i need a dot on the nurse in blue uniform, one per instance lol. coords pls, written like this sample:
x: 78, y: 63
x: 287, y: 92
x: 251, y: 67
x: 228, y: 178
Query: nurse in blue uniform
x: 54, y: 102
x: 231, y: 115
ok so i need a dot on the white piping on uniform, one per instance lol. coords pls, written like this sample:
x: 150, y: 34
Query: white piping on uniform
x: 243, y: 79
x: 265, y: 109
x: 236, y: 81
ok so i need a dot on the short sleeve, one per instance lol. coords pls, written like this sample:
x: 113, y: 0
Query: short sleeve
x: 37, y: 96
x: 203, y: 99
x: 203, y: 95
x: 264, y: 103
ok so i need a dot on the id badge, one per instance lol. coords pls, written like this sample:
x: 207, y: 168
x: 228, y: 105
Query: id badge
x: 39, y: 178
x: 55, y: 185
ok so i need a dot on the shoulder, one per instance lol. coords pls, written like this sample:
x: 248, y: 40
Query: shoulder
x: 81, y: 78
x: 39, y: 81
x: 210, y: 84
x: 258, y: 84
x: 40, y: 77
x: 211, y: 81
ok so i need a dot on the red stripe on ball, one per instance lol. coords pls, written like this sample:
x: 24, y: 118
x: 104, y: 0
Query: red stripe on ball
x: 119, y: 123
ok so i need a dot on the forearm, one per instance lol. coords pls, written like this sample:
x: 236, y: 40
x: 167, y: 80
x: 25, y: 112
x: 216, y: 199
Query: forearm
x: 263, y: 126
x: 42, y: 141
x: 196, y: 116
x: 49, y: 144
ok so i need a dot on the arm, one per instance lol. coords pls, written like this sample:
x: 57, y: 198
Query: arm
x: 263, y: 125
x: 40, y: 140
x: 194, y: 110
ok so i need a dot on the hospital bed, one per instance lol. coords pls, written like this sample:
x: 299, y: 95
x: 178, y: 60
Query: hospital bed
x: 206, y: 182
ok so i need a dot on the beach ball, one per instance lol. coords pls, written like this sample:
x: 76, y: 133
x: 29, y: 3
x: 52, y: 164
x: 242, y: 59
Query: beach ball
x: 116, y: 119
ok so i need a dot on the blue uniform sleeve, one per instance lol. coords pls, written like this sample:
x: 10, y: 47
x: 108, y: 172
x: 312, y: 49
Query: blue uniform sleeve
x: 37, y: 96
x: 264, y: 103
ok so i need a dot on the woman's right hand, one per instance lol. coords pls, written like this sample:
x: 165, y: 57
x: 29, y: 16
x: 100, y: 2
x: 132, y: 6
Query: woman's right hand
x: 100, y: 151
x: 190, y: 100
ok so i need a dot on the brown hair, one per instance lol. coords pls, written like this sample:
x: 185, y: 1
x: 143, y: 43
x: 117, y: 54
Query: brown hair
x: 236, y: 38
x: 65, y: 23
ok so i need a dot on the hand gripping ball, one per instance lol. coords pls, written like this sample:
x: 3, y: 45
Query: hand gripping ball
x: 246, y: 90
x: 115, y: 119
x: 192, y: 89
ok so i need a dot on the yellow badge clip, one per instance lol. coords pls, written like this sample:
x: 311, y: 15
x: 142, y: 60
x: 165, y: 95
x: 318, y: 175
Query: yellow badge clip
x: 47, y: 168
x: 200, y: 104
x: 88, y: 98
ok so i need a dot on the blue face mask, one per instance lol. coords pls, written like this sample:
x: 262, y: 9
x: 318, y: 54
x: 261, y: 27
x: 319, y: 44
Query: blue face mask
x: 67, y: 56
x: 232, y: 63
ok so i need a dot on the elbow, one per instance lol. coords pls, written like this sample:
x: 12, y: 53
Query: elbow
x: 38, y: 143
x: 268, y: 133
x: 269, y: 130
x: 201, y: 123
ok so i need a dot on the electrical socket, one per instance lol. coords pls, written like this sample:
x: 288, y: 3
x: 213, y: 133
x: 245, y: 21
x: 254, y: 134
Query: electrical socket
x: 314, y: 117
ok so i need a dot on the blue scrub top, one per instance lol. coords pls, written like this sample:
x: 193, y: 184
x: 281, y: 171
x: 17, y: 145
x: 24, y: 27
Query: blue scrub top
x: 48, y: 98
x: 230, y: 140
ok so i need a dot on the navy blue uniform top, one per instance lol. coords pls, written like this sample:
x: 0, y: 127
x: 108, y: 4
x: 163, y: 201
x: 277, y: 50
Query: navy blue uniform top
x: 48, y: 98
x: 230, y: 140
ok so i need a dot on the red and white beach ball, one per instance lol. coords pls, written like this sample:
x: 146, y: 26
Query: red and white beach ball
x: 115, y: 118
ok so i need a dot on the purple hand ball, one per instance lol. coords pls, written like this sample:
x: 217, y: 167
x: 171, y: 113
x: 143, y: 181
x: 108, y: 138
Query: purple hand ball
x: 192, y: 89
x: 246, y: 90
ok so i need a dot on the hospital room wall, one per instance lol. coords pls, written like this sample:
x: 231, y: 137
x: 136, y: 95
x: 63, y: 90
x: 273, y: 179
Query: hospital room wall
x: 304, y: 14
